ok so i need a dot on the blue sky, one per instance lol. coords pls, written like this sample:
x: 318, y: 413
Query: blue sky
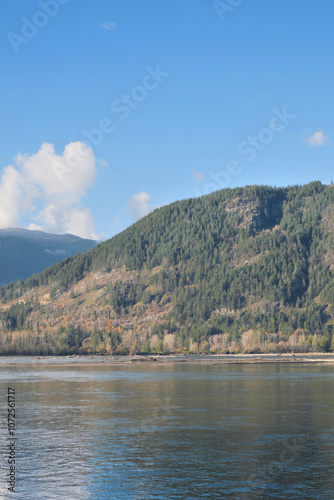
x: 191, y: 96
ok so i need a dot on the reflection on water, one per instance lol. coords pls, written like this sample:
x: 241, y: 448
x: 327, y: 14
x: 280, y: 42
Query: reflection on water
x: 172, y: 431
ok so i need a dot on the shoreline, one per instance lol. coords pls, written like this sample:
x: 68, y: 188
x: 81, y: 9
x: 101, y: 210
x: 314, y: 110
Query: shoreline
x: 211, y: 359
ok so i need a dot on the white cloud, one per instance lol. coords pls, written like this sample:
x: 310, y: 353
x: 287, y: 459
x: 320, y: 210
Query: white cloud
x: 108, y: 26
x: 10, y: 196
x: 197, y: 175
x: 139, y: 205
x: 56, y: 184
x: 103, y: 163
x: 35, y: 227
x: 317, y: 139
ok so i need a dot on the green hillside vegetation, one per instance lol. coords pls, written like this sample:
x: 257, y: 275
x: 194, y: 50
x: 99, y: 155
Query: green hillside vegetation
x: 239, y: 270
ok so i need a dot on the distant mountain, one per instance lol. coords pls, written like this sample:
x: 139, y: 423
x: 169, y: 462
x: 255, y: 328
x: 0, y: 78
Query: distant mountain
x: 24, y: 252
x: 239, y: 270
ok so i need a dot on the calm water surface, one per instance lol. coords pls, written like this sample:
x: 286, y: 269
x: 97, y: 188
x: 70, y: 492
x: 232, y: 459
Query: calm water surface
x: 171, y: 431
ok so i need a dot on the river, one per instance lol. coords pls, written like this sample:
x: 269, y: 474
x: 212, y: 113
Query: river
x: 170, y: 431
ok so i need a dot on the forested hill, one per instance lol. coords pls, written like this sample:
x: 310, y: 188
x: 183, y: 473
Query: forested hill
x: 247, y: 269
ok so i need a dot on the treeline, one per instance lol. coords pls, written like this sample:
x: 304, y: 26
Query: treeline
x: 73, y: 340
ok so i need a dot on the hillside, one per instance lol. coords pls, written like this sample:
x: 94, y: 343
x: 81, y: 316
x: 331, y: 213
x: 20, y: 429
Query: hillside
x: 239, y: 270
x: 24, y: 252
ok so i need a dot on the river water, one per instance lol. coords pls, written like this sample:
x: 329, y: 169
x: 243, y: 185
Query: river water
x: 170, y: 431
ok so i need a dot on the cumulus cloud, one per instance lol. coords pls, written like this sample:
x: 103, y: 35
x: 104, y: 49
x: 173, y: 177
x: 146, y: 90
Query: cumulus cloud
x: 139, y: 205
x: 49, y: 188
x: 317, y: 139
x: 10, y: 196
x: 197, y: 175
x: 108, y: 26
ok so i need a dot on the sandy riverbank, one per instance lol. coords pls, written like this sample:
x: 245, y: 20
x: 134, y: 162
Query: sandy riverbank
x: 161, y: 359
